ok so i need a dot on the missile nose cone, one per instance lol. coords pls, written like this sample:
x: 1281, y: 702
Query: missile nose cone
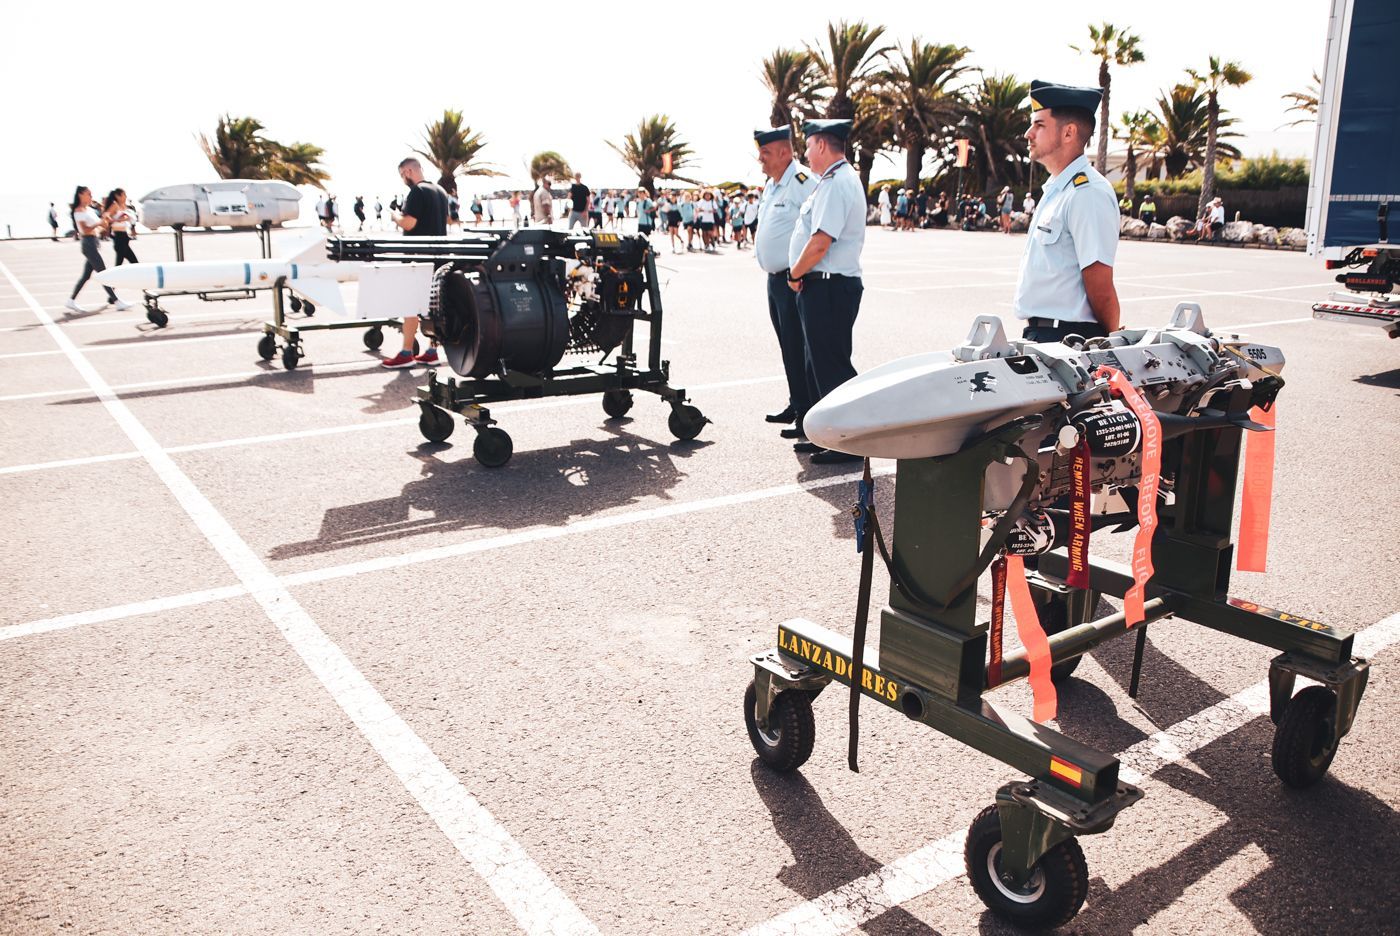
x: 131, y: 276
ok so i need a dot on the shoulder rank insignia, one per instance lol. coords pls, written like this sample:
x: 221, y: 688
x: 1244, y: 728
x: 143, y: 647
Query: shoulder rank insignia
x: 801, y: 177
x: 1080, y: 179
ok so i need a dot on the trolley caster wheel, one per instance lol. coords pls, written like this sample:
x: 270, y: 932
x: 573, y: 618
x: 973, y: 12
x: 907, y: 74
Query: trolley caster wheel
x: 374, y: 338
x: 295, y: 303
x: 1306, y: 738
x: 291, y: 354
x: 267, y: 347
x: 492, y: 447
x: 157, y: 316
x: 792, y: 729
x: 435, y: 425
x: 308, y: 308
x: 1053, y: 895
x: 616, y: 403
x: 686, y: 422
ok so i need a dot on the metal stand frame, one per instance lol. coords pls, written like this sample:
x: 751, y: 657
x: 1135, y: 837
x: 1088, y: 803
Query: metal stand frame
x: 291, y: 349
x: 615, y: 380
x: 932, y: 660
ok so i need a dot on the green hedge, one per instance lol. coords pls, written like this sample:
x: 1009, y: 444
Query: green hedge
x: 1260, y: 174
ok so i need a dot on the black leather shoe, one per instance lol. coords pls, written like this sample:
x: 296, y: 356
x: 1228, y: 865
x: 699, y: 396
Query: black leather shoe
x: 832, y: 457
x: 786, y: 416
x: 792, y: 432
x: 805, y: 447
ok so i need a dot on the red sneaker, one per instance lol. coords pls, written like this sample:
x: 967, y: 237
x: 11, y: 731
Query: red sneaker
x: 428, y: 358
x: 402, y: 359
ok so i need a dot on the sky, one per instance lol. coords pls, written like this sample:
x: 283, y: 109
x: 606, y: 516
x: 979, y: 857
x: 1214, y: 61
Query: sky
x: 112, y: 94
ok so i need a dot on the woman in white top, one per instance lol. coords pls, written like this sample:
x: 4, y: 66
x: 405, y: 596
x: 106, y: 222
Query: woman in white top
x: 705, y: 218
x: 89, y: 225
x: 884, y: 200
x: 121, y: 221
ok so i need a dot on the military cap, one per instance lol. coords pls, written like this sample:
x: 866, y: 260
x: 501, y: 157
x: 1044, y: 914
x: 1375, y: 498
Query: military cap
x: 775, y: 135
x: 1044, y: 94
x: 837, y: 128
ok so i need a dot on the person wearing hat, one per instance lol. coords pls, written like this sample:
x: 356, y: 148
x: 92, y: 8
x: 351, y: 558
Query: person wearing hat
x: 790, y: 184
x: 824, y: 261
x: 1066, y: 280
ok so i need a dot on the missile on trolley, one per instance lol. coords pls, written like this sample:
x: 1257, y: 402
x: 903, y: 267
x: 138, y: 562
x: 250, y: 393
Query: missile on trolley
x: 934, y: 404
x: 307, y: 273
x: 235, y: 203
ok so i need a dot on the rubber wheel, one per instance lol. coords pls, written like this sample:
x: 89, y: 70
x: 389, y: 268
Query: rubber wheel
x: 308, y: 308
x: 291, y: 355
x: 1055, y: 892
x: 686, y: 422
x: 1306, y: 738
x: 616, y: 403
x: 157, y: 316
x: 267, y: 347
x: 295, y: 303
x: 435, y: 425
x: 374, y: 338
x: 492, y: 447
x: 792, y: 732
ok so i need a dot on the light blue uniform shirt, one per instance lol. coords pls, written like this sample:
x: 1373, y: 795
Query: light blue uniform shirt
x: 837, y: 209
x: 1075, y: 225
x: 777, y: 215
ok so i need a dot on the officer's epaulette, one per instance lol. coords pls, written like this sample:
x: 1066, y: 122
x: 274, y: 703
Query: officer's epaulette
x: 801, y: 177
x: 1081, y: 179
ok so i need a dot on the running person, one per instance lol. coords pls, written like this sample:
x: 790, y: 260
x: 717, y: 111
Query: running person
x: 88, y: 225
x: 121, y: 221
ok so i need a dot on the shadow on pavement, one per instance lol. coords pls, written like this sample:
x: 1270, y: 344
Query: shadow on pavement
x: 1388, y: 379
x: 826, y: 857
x: 545, y: 487
x: 273, y: 376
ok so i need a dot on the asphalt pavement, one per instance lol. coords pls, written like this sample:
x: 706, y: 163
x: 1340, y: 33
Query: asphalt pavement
x: 270, y: 662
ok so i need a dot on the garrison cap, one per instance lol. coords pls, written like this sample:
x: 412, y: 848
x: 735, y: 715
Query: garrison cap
x: 837, y: 128
x: 775, y: 135
x: 1044, y: 94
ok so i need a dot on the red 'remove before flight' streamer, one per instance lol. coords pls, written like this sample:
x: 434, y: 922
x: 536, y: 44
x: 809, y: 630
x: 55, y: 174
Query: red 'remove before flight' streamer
x: 1147, y: 490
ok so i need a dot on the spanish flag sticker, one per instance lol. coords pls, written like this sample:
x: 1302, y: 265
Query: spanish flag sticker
x: 1066, y: 771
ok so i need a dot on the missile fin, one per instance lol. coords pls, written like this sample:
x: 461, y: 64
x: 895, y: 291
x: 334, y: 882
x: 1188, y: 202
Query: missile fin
x: 309, y: 252
x: 325, y: 293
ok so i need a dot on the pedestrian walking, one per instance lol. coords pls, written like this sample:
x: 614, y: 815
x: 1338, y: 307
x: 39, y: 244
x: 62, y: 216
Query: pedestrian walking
x: 425, y: 212
x: 121, y: 223
x: 53, y: 220
x: 360, y: 210
x: 886, y: 211
x: 542, y: 204
x: 1004, y: 202
x: 89, y: 225
x: 578, y: 203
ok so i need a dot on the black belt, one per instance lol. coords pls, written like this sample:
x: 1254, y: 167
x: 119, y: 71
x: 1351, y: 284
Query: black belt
x: 782, y: 273
x: 1036, y: 322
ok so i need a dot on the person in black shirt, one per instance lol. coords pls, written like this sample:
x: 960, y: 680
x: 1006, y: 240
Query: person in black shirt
x: 578, y: 196
x: 424, y: 214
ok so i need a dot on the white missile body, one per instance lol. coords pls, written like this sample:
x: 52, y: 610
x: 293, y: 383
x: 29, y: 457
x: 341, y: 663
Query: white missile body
x: 236, y: 203
x: 932, y: 404
x: 403, y: 287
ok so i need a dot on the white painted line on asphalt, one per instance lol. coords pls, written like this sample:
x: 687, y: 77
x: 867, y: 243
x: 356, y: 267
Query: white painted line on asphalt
x: 525, y: 889
x: 337, y: 430
x: 852, y: 905
x: 142, y: 343
x: 176, y: 318
x: 460, y: 549
x: 192, y: 382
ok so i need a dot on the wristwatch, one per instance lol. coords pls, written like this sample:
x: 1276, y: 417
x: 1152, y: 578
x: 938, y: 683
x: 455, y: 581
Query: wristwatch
x: 793, y: 279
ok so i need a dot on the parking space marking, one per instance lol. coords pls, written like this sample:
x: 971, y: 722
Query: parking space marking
x: 128, y: 345
x: 537, y: 904
x: 348, y: 570
x: 852, y: 905
x: 196, y: 381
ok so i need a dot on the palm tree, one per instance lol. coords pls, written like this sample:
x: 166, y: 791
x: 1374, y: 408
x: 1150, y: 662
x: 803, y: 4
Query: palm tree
x: 1220, y: 75
x: 918, y: 95
x: 238, y: 150
x: 1153, y: 144
x: 1185, y: 130
x: 549, y: 163
x: 793, y: 81
x: 453, y: 148
x: 1108, y: 43
x: 1305, y: 101
x: 997, y: 111
x: 1134, y: 127
x: 298, y: 163
x: 872, y: 132
x: 646, y: 150
x: 850, y: 57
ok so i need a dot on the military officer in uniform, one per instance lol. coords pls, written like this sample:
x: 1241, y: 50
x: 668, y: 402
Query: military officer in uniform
x: 789, y: 184
x: 1066, y: 280
x: 824, y: 267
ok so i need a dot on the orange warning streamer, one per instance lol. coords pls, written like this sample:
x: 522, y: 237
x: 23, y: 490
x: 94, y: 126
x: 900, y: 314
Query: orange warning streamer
x: 1147, y: 490
x: 1033, y: 638
x: 1258, y: 493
